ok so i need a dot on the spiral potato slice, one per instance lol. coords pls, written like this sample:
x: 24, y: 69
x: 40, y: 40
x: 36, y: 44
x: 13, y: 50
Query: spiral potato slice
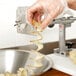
x: 38, y: 34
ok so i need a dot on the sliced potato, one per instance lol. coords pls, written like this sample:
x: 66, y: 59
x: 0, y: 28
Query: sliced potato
x: 21, y: 72
x: 72, y: 55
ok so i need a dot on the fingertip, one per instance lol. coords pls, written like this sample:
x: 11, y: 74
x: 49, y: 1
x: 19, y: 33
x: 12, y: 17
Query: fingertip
x: 43, y: 26
x: 46, y: 22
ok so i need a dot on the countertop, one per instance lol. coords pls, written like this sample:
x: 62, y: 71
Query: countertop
x: 63, y: 63
x: 53, y: 72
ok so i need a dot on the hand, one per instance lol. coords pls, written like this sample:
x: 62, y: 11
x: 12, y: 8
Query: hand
x: 50, y: 9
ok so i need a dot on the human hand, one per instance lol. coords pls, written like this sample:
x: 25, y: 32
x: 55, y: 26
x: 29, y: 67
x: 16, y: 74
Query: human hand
x: 50, y: 9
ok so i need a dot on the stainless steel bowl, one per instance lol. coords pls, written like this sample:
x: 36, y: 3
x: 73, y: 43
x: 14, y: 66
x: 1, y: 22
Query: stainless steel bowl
x: 12, y: 60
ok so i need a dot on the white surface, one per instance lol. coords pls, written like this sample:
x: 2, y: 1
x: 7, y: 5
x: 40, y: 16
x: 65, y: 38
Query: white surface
x: 8, y: 34
x: 63, y: 64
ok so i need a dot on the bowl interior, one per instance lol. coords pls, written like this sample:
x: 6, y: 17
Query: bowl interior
x: 12, y: 60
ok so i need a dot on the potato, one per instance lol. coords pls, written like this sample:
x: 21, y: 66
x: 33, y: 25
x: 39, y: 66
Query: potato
x: 72, y: 55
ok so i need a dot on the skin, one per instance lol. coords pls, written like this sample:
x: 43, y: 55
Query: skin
x: 72, y: 4
x: 50, y: 9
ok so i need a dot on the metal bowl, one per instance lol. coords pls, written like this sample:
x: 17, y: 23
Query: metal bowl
x: 12, y: 60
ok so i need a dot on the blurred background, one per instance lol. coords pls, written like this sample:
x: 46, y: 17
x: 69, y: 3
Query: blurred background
x: 8, y: 32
